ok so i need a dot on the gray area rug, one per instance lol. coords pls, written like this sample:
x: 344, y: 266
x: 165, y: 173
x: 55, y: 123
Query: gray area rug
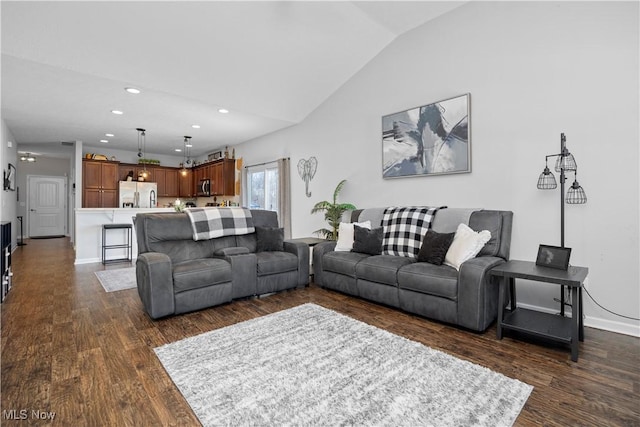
x: 117, y: 279
x: 312, y: 366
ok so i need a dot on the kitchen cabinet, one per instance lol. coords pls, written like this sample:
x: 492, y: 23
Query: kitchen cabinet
x: 216, y: 175
x: 99, y: 184
x: 185, y: 184
x: 171, y: 184
x: 169, y: 179
x: 222, y: 174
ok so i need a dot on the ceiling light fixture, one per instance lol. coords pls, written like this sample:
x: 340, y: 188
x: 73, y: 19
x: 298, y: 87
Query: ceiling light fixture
x: 27, y: 157
x: 195, y: 126
x: 104, y: 141
x: 110, y: 135
x: 132, y: 90
x: 223, y: 111
x: 179, y: 150
x: 117, y: 112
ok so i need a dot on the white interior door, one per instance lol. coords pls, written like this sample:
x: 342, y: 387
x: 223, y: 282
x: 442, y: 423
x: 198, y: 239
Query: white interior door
x: 47, y: 208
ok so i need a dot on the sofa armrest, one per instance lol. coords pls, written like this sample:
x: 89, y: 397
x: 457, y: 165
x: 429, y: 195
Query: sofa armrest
x: 301, y: 250
x: 244, y: 273
x: 235, y: 250
x: 154, y: 279
x: 478, y: 293
x: 318, y: 253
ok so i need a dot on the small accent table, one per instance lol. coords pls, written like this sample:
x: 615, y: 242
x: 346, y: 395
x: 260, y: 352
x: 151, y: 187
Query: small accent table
x: 311, y: 242
x: 545, y: 325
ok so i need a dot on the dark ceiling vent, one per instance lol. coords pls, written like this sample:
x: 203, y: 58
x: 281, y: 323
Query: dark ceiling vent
x: 67, y: 143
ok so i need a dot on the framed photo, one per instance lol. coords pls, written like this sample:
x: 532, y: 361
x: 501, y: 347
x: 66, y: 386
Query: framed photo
x: 9, y: 181
x: 433, y: 139
x: 215, y: 155
x: 553, y: 257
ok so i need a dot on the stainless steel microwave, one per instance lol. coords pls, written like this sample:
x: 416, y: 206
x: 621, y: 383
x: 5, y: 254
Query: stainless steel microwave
x: 204, y: 188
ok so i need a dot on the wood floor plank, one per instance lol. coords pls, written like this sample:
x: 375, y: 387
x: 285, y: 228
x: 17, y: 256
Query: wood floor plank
x: 70, y: 348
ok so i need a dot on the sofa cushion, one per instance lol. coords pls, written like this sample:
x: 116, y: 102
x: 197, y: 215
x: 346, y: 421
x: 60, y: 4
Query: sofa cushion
x: 404, y: 228
x: 199, y: 273
x: 434, y: 247
x: 438, y: 280
x: 269, y: 239
x: 381, y: 268
x: 492, y: 221
x: 346, y: 235
x: 467, y: 243
x: 275, y: 262
x: 342, y: 262
x: 367, y: 241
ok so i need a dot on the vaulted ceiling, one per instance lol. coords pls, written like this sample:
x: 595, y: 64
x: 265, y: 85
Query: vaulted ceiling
x: 65, y: 66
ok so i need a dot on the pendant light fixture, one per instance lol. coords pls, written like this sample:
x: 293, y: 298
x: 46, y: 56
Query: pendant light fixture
x: 185, y: 158
x: 142, y: 146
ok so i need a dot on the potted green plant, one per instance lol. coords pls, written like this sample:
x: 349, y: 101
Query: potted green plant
x: 332, y: 213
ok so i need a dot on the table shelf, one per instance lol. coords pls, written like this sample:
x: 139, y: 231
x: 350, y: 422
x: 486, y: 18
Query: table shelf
x: 544, y: 325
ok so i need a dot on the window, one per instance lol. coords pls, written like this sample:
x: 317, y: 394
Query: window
x: 268, y: 186
x: 262, y: 187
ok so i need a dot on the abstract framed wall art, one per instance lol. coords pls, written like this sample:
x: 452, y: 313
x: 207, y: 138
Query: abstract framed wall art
x: 433, y: 139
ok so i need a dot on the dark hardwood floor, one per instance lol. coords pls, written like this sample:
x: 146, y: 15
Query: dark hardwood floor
x: 71, y: 349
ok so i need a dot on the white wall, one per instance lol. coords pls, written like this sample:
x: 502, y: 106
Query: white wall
x: 533, y: 70
x: 8, y: 200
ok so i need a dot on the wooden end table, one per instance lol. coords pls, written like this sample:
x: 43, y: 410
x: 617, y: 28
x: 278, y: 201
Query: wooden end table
x: 558, y: 328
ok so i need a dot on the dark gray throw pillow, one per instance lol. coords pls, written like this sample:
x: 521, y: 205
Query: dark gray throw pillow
x: 367, y: 241
x: 434, y: 247
x: 269, y: 239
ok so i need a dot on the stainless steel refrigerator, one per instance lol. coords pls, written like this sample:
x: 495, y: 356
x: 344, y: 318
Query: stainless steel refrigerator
x: 138, y: 194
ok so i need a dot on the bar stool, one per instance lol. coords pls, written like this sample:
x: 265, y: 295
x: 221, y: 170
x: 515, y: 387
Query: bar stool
x: 127, y: 246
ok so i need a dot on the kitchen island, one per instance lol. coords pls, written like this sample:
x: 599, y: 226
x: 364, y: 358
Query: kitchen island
x: 89, y: 221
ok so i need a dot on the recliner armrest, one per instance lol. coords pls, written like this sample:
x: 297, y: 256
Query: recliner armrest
x: 154, y: 280
x: 478, y: 293
x: 235, y: 250
x: 301, y: 250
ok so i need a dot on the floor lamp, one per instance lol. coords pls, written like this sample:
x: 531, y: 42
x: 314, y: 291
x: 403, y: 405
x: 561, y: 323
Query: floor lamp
x: 565, y: 162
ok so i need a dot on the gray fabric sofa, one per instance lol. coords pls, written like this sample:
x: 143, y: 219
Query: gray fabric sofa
x: 176, y: 274
x: 468, y: 297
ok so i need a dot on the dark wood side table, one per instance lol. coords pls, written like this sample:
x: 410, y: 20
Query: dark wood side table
x: 568, y: 330
x: 311, y: 242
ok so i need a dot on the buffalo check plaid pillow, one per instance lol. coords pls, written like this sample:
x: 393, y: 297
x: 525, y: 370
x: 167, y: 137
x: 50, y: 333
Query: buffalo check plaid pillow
x: 404, y: 229
x: 209, y: 223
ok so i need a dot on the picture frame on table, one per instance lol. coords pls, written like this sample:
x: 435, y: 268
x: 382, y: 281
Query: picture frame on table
x: 433, y: 139
x: 553, y: 257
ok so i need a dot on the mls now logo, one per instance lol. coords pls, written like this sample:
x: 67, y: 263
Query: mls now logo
x: 24, y: 414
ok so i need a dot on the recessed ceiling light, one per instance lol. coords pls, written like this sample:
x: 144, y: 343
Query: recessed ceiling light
x: 195, y: 126
x: 118, y: 112
x: 132, y: 90
x: 110, y: 135
x: 178, y: 149
x: 188, y: 145
x: 223, y: 111
x: 104, y: 140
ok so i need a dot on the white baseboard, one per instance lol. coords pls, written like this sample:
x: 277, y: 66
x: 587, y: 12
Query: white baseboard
x: 594, y: 322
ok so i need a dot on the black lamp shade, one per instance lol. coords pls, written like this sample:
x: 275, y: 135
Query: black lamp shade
x: 567, y: 161
x: 547, y: 181
x: 576, y: 195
